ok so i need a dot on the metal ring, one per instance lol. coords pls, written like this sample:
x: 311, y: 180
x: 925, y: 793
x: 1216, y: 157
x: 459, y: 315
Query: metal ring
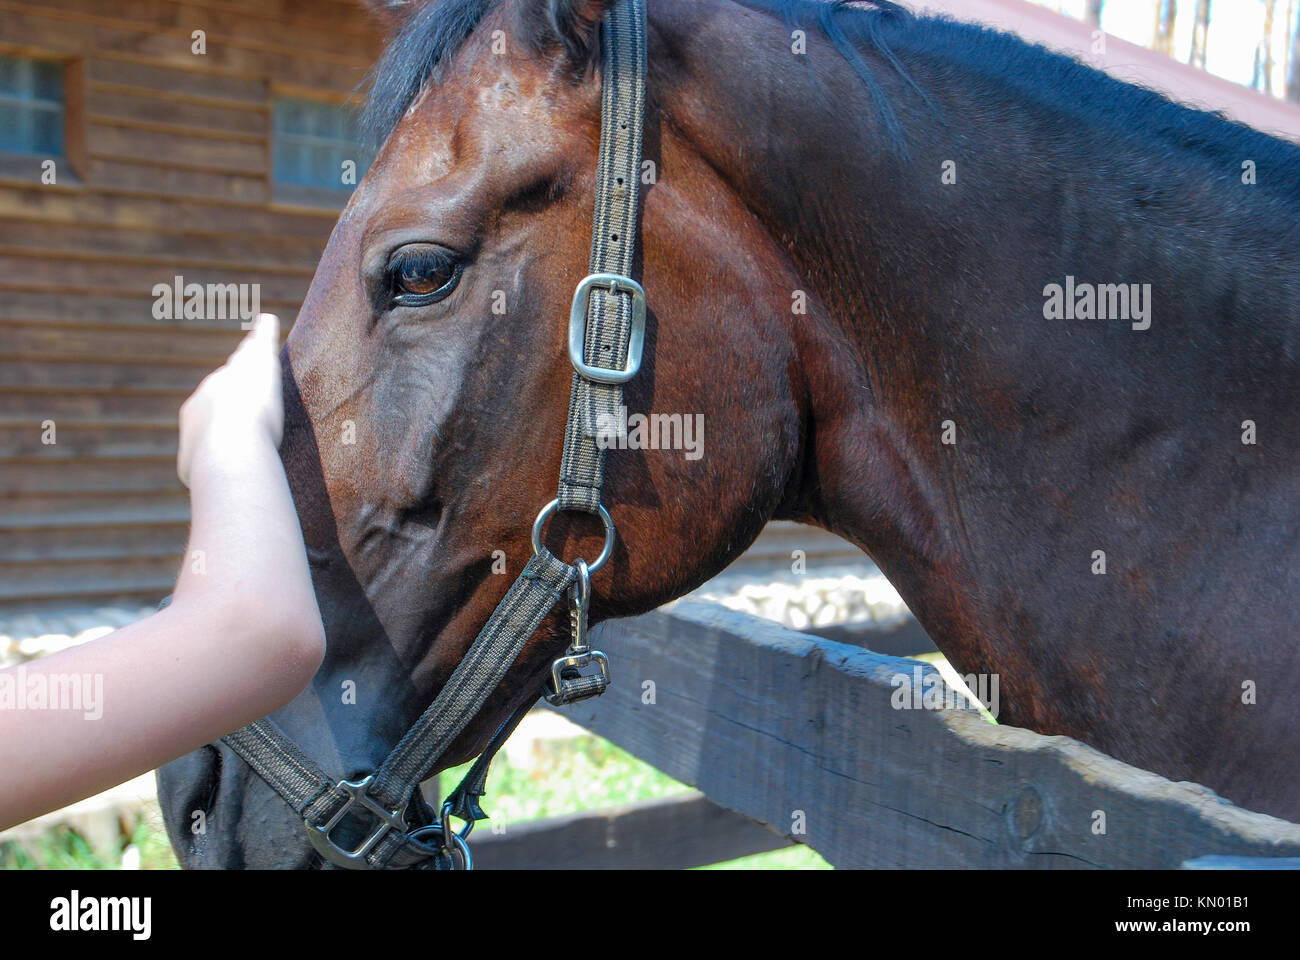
x: 457, y: 845
x: 605, y: 518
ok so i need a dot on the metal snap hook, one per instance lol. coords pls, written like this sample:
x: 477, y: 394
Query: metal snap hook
x: 568, y: 682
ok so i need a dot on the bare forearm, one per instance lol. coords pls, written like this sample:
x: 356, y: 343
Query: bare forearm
x: 146, y: 694
x: 245, y: 551
x: 240, y: 639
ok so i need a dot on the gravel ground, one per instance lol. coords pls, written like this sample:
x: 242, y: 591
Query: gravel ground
x: 857, y: 594
x: 821, y: 597
x: 26, y: 636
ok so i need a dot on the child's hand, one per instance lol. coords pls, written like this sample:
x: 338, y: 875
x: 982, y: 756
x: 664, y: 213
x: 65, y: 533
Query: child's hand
x: 241, y: 397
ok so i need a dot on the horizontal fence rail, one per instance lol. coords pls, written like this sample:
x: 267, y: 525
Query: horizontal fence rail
x: 800, y: 733
x: 673, y: 833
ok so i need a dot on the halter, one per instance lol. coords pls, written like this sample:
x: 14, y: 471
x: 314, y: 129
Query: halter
x: 606, y: 337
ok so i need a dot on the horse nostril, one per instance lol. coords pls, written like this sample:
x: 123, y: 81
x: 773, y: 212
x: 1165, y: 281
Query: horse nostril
x: 214, y: 778
x: 187, y: 793
x: 429, y: 514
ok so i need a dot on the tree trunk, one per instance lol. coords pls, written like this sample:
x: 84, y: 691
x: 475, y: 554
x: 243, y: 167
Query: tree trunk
x: 1293, y: 55
x: 1200, y: 34
x: 1266, y: 57
x: 1166, y: 14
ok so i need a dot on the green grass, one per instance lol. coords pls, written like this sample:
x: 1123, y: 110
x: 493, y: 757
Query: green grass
x: 793, y: 858
x: 573, y: 775
x: 65, y: 849
x: 582, y: 773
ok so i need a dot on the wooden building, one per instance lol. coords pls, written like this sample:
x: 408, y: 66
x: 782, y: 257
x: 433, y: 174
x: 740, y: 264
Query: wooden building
x: 175, y: 153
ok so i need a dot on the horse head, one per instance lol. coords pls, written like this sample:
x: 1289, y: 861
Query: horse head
x: 427, y: 387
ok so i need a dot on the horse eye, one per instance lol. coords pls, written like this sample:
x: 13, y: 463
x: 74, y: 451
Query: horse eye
x: 421, y: 274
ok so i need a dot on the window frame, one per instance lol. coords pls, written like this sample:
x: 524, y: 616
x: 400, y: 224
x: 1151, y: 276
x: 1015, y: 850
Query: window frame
x: 72, y: 165
x: 315, y: 197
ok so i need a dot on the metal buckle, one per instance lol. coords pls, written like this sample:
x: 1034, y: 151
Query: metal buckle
x: 358, y: 796
x: 568, y: 683
x: 614, y: 283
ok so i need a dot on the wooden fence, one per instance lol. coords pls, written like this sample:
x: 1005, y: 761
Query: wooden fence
x: 792, y: 738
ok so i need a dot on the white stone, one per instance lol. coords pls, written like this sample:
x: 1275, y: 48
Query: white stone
x: 94, y: 633
x: 44, y: 644
x: 826, y: 615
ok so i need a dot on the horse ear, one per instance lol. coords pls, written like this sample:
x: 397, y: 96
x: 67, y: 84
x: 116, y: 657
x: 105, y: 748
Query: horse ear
x: 391, y: 14
x: 574, y: 23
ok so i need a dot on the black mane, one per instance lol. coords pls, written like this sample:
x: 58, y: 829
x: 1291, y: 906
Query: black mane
x: 426, y: 41
x: 1045, y: 80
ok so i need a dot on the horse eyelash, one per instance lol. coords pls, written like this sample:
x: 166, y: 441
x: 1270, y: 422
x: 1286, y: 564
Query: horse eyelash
x: 420, y: 260
x: 417, y: 259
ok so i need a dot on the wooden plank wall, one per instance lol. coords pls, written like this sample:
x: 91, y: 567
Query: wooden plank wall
x: 172, y: 162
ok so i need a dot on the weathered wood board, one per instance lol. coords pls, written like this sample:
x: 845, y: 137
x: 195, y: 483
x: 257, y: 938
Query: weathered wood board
x: 799, y: 733
x: 673, y: 833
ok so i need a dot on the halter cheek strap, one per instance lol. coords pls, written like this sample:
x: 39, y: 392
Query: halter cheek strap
x: 606, y: 337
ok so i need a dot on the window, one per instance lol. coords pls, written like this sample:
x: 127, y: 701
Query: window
x: 31, y: 106
x: 313, y: 141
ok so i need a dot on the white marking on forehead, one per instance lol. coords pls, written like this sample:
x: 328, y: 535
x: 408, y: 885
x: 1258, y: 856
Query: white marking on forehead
x: 505, y: 93
x: 435, y: 158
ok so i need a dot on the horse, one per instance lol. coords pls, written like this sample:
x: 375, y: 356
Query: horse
x: 883, y: 256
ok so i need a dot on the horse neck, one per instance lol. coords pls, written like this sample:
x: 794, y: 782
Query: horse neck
x: 800, y: 140
x: 922, y: 322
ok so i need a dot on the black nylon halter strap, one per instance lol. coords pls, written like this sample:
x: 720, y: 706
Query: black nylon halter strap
x: 318, y: 800
x: 606, y: 333
x: 614, y: 323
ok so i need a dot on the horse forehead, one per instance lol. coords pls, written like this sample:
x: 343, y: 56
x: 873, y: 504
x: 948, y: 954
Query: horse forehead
x: 481, y: 114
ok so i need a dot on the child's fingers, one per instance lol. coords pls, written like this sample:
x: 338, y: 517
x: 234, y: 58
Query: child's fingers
x: 267, y: 327
x: 248, y: 383
x: 183, y: 450
x: 265, y: 335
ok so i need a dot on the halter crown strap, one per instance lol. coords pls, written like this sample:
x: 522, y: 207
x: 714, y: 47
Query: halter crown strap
x: 614, y: 322
x: 606, y: 335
